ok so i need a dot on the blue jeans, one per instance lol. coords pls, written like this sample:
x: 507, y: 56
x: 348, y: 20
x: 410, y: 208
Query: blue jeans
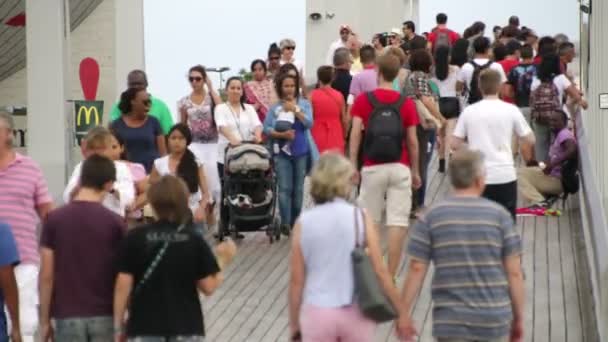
x: 291, y: 172
x: 92, y: 329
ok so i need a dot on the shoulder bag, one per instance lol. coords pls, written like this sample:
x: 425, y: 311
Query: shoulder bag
x: 368, y: 292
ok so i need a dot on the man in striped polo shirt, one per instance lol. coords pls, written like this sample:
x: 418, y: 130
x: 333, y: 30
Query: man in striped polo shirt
x: 24, y: 200
x: 477, y: 288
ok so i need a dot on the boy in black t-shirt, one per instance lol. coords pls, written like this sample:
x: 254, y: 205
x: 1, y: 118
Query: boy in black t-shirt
x: 162, y: 266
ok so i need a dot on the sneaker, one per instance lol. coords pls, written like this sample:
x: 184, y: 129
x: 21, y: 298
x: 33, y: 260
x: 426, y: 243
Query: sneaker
x: 540, y: 205
x: 442, y: 165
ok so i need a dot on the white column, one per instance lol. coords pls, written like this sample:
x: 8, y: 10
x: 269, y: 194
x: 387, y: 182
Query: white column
x: 47, y: 89
x: 596, y: 119
x: 129, y: 40
x: 595, y: 122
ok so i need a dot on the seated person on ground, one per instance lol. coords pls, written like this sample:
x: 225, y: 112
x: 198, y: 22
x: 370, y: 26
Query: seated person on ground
x: 542, y: 179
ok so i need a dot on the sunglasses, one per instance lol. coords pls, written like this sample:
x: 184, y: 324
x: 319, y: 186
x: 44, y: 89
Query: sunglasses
x: 344, y: 32
x: 290, y: 48
x: 274, y: 58
x: 195, y: 78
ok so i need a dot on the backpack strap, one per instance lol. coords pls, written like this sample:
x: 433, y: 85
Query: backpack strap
x: 487, y: 65
x: 397, y: 105
x: 373, y: 100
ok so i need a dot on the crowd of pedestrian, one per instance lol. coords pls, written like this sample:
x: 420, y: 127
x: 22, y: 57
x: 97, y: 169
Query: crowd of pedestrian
x: 125, y: 256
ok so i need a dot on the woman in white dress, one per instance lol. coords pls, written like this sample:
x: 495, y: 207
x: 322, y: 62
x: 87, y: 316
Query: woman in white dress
x: 196, y: 111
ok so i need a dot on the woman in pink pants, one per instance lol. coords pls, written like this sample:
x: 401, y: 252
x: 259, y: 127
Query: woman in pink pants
x: 321, y: 288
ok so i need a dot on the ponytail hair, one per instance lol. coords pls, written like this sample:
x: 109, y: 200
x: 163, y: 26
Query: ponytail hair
x: 187, y: 169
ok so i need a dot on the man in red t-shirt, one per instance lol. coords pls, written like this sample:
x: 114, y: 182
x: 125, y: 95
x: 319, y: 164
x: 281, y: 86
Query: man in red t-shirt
x: 442, y: 31
x: 385, y: 181
x: 510, y: 62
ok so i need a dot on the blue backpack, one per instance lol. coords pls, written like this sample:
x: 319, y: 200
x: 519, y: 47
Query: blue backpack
x: 523, y: 86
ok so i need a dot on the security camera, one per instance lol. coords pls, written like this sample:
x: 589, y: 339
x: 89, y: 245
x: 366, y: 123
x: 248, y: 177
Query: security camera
x: 315, y: 16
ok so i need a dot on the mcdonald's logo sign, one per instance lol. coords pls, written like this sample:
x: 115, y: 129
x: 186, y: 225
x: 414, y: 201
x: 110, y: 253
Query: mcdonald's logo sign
x: 87, y: 115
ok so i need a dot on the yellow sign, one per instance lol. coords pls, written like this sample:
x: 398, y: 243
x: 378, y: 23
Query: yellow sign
x: 87, y: 115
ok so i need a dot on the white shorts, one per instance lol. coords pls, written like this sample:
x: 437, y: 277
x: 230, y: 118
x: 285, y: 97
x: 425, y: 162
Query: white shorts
x: 207, y: 154
x: 27, y: 283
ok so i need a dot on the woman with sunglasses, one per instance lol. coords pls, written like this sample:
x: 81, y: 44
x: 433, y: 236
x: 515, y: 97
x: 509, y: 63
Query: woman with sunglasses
x: 196, y: 111
x: 274, y: 61
x: 144, y: 139
x: 288, y: 48
x: 260, y: 91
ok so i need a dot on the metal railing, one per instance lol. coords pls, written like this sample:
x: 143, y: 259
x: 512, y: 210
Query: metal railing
x: 595, y: 229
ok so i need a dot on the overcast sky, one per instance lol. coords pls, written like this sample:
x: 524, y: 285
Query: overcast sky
x: 182, y: 33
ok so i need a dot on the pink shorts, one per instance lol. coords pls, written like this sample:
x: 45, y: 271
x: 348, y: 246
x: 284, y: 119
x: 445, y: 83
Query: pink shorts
x: 335, y: 324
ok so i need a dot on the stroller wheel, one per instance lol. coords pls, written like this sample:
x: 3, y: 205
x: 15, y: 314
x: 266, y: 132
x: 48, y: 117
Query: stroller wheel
x: 277, y: 229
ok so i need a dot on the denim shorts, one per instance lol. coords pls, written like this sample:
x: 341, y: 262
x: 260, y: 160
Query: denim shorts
x: 92, y: 329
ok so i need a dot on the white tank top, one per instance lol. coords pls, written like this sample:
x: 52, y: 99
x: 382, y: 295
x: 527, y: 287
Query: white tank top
x: 447, y: 87
x: 162, y: 167
x: 327, y: 241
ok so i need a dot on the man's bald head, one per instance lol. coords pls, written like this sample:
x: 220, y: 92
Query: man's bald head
x: 137, y: 79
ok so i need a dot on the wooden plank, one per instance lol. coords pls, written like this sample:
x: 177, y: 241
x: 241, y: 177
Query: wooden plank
x: 541, y: 290
x: 222, y: 309
x: 426, y: 332
x: 280, y: 323
x: 247, y: 254
x: 586, y: 301
x: 571, y: 303
x: 245, y: 303
x: 527, y: 234
x: 262, y: 301
x: 557, y: 319
x: 274, y: 307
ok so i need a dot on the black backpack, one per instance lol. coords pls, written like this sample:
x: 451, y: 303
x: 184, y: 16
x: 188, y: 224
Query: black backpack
x: 474, y: 91
x: 570, y: 176
x: 384, y: 133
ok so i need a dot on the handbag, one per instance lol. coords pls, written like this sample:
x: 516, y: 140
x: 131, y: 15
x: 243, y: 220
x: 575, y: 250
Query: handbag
x: 369, y: 294
x: 427, y: 120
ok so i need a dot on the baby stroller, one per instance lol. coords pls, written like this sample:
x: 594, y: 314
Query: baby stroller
x: 249, y: 192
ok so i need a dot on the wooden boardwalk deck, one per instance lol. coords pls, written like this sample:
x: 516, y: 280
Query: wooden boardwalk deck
x: 251, y: 305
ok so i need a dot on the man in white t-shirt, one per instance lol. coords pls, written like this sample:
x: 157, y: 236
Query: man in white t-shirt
x: 345, y: 33
x: 469, y: 73
x: 488, y: 126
